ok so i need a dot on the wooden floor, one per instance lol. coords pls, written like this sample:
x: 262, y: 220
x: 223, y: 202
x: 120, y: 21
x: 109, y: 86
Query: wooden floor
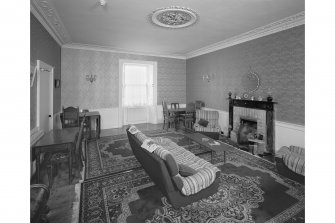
x: 64, y: 199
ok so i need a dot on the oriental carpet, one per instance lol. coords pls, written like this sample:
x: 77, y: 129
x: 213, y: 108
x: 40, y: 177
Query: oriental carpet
x: 112, y: 154
x: 251, y: 190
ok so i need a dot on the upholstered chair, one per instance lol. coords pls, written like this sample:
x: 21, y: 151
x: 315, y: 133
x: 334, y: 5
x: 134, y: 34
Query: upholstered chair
x: 207, y: 123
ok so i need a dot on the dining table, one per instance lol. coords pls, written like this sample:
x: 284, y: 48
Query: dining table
x: 177, y: 112
x: 56, y: 140
x: 92, y: 115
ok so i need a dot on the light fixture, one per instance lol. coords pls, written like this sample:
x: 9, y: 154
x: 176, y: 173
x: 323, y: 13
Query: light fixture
x: 173, y: 17
x: 91, y: 78
x: 102, y: 2
x: 207, y: 77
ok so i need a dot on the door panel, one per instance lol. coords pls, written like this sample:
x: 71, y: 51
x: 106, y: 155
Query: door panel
x: 44, y: 101
x: 45, y: 96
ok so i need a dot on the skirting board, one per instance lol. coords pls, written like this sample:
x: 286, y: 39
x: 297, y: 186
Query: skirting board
x: 286, y: 134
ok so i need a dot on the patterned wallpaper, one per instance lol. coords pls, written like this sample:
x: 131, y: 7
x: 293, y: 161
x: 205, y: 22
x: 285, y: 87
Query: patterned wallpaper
x: 104, y: 92
x: 43, y: 47
x: 279, y: 59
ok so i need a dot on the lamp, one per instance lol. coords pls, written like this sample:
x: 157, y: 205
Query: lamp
x: 91, y: 78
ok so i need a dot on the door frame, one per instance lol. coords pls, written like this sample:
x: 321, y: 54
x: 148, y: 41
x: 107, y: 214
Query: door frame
x: 42, y: 66
x: 121, y: 63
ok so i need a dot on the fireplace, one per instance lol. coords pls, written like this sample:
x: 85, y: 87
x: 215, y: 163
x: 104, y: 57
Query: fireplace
x: 251, y: 119
x: 247, y: 130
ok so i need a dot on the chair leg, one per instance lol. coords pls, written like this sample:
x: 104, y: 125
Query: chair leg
x: 164, y: 123
x: 50, y: 175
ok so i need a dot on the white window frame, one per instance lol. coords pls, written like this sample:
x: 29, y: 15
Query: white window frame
x: 141, y: 62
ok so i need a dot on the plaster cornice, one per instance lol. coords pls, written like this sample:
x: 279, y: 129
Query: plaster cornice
x: 46, y: 14
x: 114, y: 50
x: 280, y: 25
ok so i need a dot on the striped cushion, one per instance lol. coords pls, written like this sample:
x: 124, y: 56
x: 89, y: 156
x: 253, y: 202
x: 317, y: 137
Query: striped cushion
x: 297, y: 150
x: 169, y: 160
x: 206, y: 172
x: 141, y: 137
x: 293, y: 158
x: 295, y: 162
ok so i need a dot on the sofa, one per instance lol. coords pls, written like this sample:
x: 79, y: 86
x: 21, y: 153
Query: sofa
x: 212, y: 129
x: 293, y: 157
x: 179, y: 190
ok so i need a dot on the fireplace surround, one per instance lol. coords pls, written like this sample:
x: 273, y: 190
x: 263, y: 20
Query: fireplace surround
x: 262, y: 112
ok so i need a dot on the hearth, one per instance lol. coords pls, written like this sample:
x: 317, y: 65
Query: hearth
x: 247, y: 130
x: 250, y: 119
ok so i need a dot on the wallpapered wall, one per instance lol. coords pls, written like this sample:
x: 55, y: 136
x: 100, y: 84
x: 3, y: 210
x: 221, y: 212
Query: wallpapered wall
x: 43, y: 47
x: 277, y: 58
x: 104, y: 92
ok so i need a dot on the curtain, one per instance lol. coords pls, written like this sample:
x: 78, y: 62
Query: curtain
x: 138, y: 85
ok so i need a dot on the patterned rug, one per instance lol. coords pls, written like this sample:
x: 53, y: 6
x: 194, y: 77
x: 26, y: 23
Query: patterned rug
x: 112, y: 154
x: 250, y: 191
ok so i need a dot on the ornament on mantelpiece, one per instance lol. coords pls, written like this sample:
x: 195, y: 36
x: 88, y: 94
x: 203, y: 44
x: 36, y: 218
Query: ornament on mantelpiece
x: 260, y: 98
x: 269, y: 97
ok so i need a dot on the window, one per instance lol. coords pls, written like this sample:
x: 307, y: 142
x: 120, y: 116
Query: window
x: 137, y: 85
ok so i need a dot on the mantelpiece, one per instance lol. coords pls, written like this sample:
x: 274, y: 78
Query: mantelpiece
x: 267, y: 106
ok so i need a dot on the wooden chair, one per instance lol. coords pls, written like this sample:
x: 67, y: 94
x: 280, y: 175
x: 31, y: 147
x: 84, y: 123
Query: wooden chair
x: 87, y: 123
x: 175, y: 105
x: 199, y: 104
x: 60, y: 157
x: 188, y: 118
x: 168, y: 116
x: 70, y: 117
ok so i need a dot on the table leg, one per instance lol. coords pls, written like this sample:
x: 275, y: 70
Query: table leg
x: 90, y: 127
x: 98, y: 126
x: 70, y: 162
x: 38, y: 167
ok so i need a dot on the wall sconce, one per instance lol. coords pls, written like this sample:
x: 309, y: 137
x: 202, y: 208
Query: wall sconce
x: 207, y: 77
x: 91, y: 78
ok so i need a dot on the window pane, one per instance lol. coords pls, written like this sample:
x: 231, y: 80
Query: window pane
x: 136, y: 85
x: 135, y: 74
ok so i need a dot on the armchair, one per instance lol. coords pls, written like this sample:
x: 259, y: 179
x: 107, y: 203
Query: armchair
x: 213, y: 128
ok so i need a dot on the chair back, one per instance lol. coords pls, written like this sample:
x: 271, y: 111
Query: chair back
x: 190, y: 107
x: 70, y: 117
x: 199, y: 104
x: 211, y: 116
x: 165, y: 108
x: 175, y: 105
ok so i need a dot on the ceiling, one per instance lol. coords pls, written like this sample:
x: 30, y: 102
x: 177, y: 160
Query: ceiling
x: 124, y: 25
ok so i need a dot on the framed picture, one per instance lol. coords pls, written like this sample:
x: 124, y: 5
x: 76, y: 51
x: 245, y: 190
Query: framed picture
x: 57, y: 83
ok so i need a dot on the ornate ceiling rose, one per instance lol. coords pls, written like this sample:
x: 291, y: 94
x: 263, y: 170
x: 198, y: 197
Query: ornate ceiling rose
x: 174, y: 17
